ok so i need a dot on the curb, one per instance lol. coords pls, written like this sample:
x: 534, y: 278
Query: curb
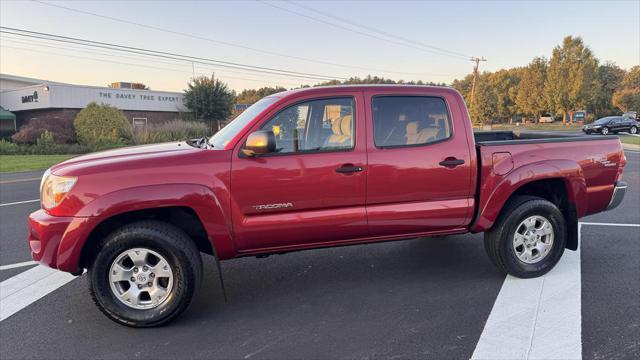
x: 630, y: 146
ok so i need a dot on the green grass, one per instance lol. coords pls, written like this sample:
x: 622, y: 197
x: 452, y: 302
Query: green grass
x: 635, y: 140
x: 15, y: 163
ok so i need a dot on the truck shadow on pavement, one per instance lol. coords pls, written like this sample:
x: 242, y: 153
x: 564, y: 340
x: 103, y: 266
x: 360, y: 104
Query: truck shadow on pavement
x: 415, y: 298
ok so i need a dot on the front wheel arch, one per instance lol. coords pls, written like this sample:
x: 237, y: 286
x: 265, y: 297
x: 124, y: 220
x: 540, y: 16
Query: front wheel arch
x: 182, y: 218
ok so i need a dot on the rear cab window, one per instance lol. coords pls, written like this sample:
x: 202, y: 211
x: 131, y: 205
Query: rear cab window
x: 409, y: 120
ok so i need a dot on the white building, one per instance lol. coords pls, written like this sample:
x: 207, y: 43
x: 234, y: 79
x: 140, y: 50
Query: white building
x: 31, y: 98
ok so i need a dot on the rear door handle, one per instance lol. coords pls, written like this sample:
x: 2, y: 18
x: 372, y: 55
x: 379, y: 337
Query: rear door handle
x: 451, y: 162
x: 347, y: 169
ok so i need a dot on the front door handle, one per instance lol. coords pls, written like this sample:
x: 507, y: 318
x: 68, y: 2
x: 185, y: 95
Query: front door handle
x: 348, y: 168
x: 451, y: 162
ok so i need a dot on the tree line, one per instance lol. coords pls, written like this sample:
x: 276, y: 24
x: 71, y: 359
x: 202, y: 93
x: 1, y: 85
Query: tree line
x: 573, y: 79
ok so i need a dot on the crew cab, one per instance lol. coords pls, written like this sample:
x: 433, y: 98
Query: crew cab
x: 311, y: 168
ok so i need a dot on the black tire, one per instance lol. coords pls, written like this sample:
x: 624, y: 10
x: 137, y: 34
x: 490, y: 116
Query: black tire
x: 168, y: 241
x: 604, y: 131
x: 498, y: 241
x: 633, y: 130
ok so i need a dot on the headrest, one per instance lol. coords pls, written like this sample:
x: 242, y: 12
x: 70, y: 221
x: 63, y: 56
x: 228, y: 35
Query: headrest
x: 335, y: 126
x: 345, y: 125
x: 412, y: 127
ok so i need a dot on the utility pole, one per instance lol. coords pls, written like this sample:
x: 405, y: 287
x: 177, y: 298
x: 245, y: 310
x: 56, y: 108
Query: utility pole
x: 193, y: 70
x: 475, y: 77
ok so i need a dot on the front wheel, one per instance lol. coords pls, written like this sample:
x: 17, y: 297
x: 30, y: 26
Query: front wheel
x: 145, y: 274
x: 633, y: 130
x: 528, y: 239
x: 605, y: 130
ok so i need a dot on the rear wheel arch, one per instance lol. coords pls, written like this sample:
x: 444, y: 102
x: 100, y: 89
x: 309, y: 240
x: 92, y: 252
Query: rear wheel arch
x: 560, y: 192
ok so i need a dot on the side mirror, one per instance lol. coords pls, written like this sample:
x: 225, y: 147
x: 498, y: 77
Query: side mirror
x: 259, y: 143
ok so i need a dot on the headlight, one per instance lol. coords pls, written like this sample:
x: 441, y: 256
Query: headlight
x: 54, y: 188
x: 596, y: 126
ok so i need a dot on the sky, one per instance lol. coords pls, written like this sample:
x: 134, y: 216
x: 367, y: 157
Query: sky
x: 414, y: 40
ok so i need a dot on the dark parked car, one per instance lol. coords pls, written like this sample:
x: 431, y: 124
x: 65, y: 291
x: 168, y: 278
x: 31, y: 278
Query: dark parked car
x: 612, y: 124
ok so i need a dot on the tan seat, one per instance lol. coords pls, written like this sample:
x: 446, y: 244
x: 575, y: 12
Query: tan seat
x: 420, y: 137
x: 341, y: 136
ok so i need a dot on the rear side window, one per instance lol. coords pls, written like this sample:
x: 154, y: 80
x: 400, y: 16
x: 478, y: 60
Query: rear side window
x: 409, y: 120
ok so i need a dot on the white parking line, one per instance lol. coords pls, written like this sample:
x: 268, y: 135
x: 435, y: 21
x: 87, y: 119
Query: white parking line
x: 538, y: 318
x: 609, y: 224
x: 17, y: 265
x: 22, y: 290
x: 19, y: 202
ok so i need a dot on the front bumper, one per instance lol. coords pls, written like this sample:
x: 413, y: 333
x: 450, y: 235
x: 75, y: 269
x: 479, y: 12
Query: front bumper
x: 619, y: 191
x: 46, y: 234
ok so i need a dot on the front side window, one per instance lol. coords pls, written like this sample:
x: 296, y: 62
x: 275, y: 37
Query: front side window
x: 316, y: 125
x: 409, y: 120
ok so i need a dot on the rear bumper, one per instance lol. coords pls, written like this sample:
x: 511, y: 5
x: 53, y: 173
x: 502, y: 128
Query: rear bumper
x: 47, y: 233
x: 618, y: 194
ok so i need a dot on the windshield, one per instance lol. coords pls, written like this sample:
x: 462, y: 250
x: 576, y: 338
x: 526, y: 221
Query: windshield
x: 222, y: 137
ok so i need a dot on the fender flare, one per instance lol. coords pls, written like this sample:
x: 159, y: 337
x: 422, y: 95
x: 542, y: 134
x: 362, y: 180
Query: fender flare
x: 199, y: 198
x: 501, y: 188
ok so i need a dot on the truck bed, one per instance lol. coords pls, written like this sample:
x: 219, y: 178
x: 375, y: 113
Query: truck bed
x: 489, y: 138
x: 593, y: 163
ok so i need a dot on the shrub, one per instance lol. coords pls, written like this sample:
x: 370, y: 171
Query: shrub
x: 61, y: 128
x: 44, y: 147
x: 174, y: 130
x: 102, y: 126
x: 8, y: 148
x: 45, y: 140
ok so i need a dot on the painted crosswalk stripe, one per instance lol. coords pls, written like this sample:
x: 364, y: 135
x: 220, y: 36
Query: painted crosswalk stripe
x: 20, y: 291
x: 17, y: 265
x: 536, y: 318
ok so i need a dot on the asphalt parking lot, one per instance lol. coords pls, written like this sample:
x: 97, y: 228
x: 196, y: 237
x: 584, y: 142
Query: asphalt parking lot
x: 421, y: 298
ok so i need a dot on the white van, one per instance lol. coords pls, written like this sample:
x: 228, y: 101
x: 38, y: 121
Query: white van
x: 546, y: 118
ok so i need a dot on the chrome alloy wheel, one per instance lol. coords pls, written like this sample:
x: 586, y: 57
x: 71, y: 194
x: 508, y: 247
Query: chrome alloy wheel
x: 141, y: 278
x: 533, y: 239
x: 605, y: 131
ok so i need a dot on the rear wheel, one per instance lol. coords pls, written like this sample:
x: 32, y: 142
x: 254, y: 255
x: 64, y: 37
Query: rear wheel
x: 528, y: 239
x: 145, y: 274
x: 633, y: 130
x: 605, y: 130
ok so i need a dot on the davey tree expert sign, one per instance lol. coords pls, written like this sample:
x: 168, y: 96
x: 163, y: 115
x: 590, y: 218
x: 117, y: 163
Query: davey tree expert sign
x: 30, y: 98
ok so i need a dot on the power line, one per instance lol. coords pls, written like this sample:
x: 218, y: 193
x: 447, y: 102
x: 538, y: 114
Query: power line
x: 226, y: 43
x: 360, y: 32
x: 36, y: 42
x: 384, y: 33
x: 139, y: 65
x: 164, y: 54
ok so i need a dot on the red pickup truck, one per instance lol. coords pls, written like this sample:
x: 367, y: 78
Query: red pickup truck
x: 313, y: 168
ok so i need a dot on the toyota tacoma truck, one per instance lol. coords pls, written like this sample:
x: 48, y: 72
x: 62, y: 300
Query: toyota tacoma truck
x: 311, y: 168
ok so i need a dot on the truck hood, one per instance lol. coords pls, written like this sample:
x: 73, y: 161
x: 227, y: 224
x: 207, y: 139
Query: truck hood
x: 123, y: 155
